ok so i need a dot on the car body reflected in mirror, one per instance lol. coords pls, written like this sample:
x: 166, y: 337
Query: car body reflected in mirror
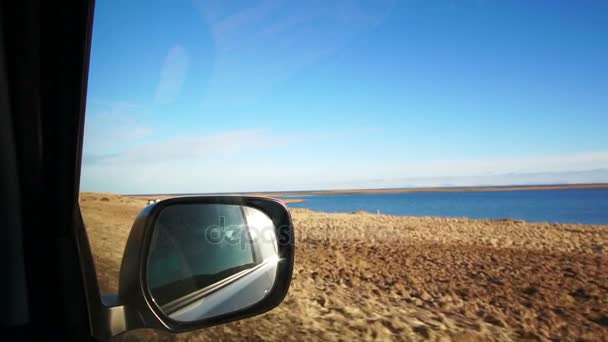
x: 207, y: 260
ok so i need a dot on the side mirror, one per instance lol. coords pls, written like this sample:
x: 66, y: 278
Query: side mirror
x: 194, y: 262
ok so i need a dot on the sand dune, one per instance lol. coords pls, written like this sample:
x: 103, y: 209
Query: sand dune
x: 377, y: 277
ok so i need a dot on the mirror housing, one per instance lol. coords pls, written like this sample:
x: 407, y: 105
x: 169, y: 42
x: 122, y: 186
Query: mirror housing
x: 134, y: 307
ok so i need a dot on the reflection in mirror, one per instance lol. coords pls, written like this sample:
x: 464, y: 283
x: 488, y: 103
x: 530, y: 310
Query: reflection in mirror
x: 207, y: 260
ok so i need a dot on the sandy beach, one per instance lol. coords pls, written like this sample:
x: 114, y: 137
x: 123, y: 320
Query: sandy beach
x: 361, y: 276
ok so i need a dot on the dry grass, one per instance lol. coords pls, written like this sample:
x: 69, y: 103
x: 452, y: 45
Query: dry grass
x: 376, y: 277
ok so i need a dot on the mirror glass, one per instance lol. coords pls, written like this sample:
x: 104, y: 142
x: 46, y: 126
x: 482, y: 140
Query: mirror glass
x: 210, y: 259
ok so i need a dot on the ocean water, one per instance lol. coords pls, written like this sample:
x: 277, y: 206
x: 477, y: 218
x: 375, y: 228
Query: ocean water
x: 588, y: 206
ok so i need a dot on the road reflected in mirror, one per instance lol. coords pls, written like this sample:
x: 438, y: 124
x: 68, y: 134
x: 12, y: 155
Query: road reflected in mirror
x: 206, y: 260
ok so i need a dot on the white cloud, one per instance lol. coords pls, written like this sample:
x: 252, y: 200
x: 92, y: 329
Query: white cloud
x: 206, y: 164
x: 191, y: 148
x: 116, y: 125
x: 540, y: 169
x: 538, y: 178
x: 489, y: 166
x: 182, y: 164
x: 172, y: 75
x: 121, y: 154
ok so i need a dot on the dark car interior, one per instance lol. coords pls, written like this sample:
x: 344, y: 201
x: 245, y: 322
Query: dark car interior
x: 43, y: 68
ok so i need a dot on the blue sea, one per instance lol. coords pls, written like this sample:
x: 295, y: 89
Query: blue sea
x: 588, y: 206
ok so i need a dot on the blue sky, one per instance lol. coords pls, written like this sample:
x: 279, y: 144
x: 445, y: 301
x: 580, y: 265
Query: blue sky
x: 213, y: 96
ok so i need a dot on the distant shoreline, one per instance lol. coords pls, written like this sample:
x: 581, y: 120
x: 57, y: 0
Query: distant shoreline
x: 393, y: 190
x: 142, y: 200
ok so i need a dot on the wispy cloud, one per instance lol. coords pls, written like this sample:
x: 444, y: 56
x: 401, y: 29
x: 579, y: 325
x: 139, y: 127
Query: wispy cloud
x: 172, y: 75
x: 89, y: 158
x: 184, y: 164
x: 109, y: 126
x: 283, y: 19
x: 217, y: 164
x: 189, y: 148
x: 562, y: 168
x: 122, y: 154
x: 489, y: 166
x: 289, y: 35
x: 536, y: 178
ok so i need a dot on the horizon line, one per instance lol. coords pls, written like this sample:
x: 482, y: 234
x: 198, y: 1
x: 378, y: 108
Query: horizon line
x: 513, y: 187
